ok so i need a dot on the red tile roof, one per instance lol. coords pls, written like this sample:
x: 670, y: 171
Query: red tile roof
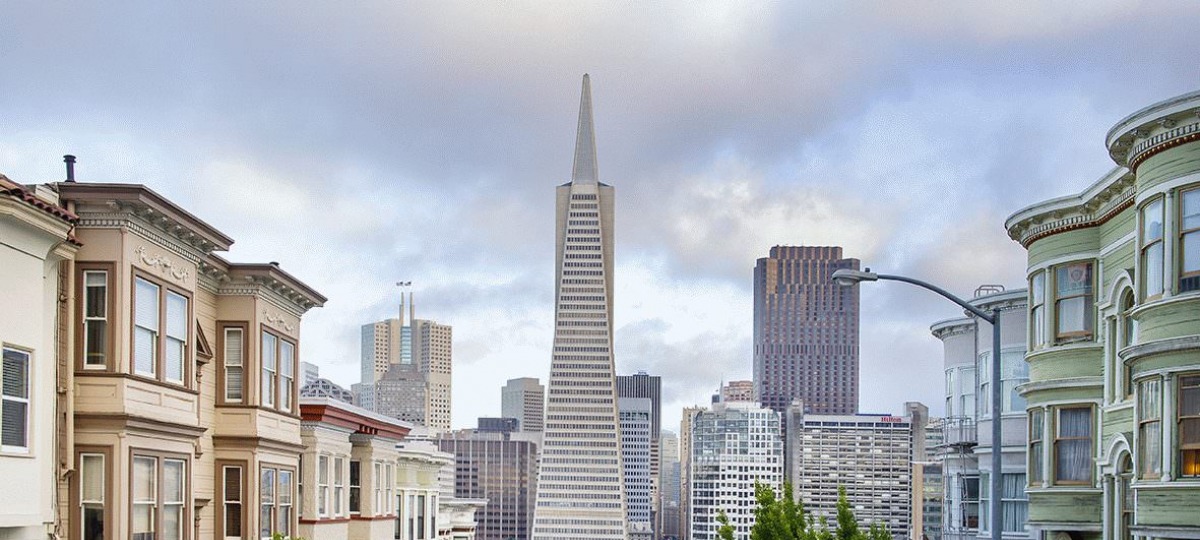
x: 17, y: 191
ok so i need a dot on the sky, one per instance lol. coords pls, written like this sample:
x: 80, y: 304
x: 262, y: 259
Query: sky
x: 361, y: 144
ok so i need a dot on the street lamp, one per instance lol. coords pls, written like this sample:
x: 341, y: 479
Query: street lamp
x: 848, y: 278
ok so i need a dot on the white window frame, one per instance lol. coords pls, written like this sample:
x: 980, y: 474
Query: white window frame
x: 154, y: 332
x: 322, y: 486
x: 1184, y: 233
x: 234, y: 360
x: 339, y: 486
x: 15, y: 400
x: 1149, y: 240
x: 227, y: 503
x: 171, y: 337
x: 101, y: 319
x: 84, y: 501
x: 267, y: 388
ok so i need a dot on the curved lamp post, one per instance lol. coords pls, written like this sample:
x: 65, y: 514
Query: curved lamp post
x: 848, y: 278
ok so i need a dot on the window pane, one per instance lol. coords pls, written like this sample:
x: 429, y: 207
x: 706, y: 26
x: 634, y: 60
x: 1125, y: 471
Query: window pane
x: 16, y: 374
x: 1191, y: 252
x: 1152, y: 222
x: 1074, y: 460
x: 177, y: 315
x: 91, y: 478
x: 172, y: 522
x: 145, y: 472
x: 93, y: 522
x: 1190, y: 209
x: 1073, y: 315
x: 287, y: 357
x: 1038, y: 288
x: 146, y: 305
x: 144, y: 348
x: 1152, y: 265
x: 285, y: 487
x: 96, y: 342
x: 233, y: 346
x: 233, y: 520
x: 1075, y: 422
x: 175, y: 354
x: 269, y: 342
x: 1189, y: 396
x: 1074, y: 279
x: 173, y: 481
x: 268, y: 486
x: 233, y: 383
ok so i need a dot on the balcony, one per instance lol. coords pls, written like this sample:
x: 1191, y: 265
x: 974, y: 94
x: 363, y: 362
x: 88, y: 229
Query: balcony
x: 959, y: 432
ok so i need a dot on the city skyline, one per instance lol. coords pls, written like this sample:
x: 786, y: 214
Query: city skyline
x: 926, y: 117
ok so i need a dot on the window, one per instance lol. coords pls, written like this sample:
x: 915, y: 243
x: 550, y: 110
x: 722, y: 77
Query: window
x: 1013, y: 372
x: 1152, y: 249
x: 234, y: 346
x: 355, y: 487
x: 339, y: 484
x: 159, y: 487
x: 1073, y: 302
x: 323, y: 486
x: 1037, y: 309
x: 1014, y: 507
x: 155, y: 310
x: 1189, y: 240
x: 270, y: 345
x: 14, y: 401
x: 278, y: 372
x: 966, y: 387
x: 283, y: 505
x: 1037, y: 418
x: 1128, y: 335
x: 1189, y: 425
x: 287, y: 362
x: 1073, y: 446
x: 232, y: 501
x: 266, y: 509
x: 420, y: 517
x: 95, y: 319
x: 91, y: 496
x: 389, y: 481
x: 969, y: 501
x: 1149, y: 413
x: 378, y: 481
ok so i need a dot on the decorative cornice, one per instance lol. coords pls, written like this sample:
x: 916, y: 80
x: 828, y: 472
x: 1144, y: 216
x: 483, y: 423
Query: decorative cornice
x: 1151, y: 130
x: 125, y: 218
x: 163, y: 264
x: 1096, y: 205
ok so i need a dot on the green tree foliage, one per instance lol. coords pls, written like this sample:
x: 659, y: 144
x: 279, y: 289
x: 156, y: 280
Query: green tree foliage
x: 783, y: 518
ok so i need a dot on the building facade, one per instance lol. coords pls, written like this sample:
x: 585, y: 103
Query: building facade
x: 635, y: 414
x: 686, y: 421
x: 36, y: 253
x: 432, y: 352
x: 525, y: 400
x: 500, y: 468
x: 737, y: 391
x: 1113, y: 400
x: 869, y: 455
x: 966, y: 443
x: 805, y: 331
x: 580, y: 493
x: 734, y: 446
x: 642, y: 385
x: 669, y: 486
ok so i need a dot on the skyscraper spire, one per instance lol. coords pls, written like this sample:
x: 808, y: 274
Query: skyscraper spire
x: 585, y: 170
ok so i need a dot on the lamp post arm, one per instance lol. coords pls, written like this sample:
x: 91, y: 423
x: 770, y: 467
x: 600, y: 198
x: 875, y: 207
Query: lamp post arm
x: 965, y: 305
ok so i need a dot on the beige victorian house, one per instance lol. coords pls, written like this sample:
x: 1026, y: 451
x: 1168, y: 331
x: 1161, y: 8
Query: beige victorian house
x: 183, y: 378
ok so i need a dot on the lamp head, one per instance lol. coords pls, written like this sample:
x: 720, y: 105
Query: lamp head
x: 847, y: 277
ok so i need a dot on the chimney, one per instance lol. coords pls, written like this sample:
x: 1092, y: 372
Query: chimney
x: 70, y: 161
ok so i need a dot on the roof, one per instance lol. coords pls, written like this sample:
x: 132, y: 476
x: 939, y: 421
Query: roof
x: 20, y: 192
x: 140, y: 195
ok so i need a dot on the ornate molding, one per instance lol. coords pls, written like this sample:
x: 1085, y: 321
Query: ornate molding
x: 278, y: 321
x: 1084, y: 213
x: 163, y: 264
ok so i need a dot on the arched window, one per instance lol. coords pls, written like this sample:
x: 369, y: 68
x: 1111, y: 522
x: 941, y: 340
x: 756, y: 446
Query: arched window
x: 1125, y: 497
x: 1128, y: 337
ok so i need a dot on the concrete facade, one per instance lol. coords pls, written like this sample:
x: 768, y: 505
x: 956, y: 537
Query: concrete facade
x: 734, y: 446
x: 500, y: 468
x: 525, y: 400
x: 1114, y: 349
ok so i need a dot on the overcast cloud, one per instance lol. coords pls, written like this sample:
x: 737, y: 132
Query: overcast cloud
x: 359, y: 144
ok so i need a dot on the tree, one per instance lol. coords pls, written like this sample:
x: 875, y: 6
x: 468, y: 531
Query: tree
x: 783, y: 518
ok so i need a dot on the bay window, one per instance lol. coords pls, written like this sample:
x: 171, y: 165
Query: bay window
x: 14, y: 401
x: 1189, y: 240
x: 276, y: 496
x: 1073, y: 446
x: 1037, y: 309
x: 95, y: 319
x: 160, y: 332
x: 1152, y: 249
x: 1149, y: 418
x: 1037, y: 422
x: 92, y: 484
x: 1188, y: 412
x: 1073, y: 301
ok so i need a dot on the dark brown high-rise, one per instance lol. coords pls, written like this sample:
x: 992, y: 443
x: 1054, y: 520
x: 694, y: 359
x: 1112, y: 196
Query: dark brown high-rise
x: 805, y: 331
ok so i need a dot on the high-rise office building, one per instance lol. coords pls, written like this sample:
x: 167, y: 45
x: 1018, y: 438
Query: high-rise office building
x: 635, y: 456
x: 805, y: 331
x: 669, y: 500
x: 737, y: 391
x: 869, y: 455
x: 735, y: 446
x: 525, y: 400
x: 500, y: 468
x: 432, y: 352
x: 644, y: 385
x: 379, y: 349
x: 685, y: 477
x: 580, y: 494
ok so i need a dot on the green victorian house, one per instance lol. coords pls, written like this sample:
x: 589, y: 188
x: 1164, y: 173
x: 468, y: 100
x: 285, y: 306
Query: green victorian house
x: 1114, y: 339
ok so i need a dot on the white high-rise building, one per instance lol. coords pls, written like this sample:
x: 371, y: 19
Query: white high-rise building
x: 869, y: 455
x: 580, y: 493
x: 734, y: 446
x: 406, y: 370
x: 525, y: 400
x: 636, y: 420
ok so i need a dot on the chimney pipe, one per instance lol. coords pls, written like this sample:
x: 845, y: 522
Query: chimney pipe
x: 70, y: 161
